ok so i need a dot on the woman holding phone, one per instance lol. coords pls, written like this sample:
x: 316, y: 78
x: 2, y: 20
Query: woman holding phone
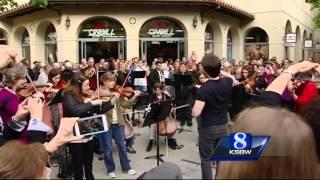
x: 77, y: 103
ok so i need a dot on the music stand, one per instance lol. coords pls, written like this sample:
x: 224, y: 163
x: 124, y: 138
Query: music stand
x: 182, y: 80
x: 134, y: 75
x: 158, y: 113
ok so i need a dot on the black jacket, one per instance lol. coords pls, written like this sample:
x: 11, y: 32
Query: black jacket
x: 72, y: 108
x: 154, y: 77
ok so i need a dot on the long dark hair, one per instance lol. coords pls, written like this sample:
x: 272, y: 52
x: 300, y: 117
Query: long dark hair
x: 74, y: 87
x: 53, y: 73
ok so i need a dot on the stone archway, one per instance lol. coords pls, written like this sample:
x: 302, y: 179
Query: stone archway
x: 256, y: 44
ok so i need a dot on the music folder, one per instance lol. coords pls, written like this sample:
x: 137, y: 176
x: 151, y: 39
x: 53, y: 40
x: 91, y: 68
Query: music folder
x: 138, y: 74
x: 183, y: 79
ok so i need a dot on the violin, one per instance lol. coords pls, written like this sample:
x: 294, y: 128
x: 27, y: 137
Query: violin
x: 28, y: 90
x: 126, y: 91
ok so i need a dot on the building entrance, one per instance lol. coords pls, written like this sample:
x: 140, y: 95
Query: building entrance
x: 166, y: 49
x: 102, y: 38
x: 105, y: 50
x: 162, y: 38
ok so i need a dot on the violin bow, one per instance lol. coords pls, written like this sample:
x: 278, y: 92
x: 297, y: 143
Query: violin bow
x: 124, y: 83
x: 29, y: 78
x: 98, y: 83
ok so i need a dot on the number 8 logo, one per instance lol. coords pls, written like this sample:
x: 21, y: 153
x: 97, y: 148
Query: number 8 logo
x: 240, y: 141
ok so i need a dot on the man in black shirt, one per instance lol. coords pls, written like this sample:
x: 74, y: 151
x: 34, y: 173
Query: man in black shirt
x: 211, y: 106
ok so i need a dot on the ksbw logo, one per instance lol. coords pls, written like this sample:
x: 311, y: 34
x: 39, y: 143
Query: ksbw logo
x: 240, y: 147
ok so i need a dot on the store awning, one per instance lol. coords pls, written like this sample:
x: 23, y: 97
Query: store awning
x: 218, y: 5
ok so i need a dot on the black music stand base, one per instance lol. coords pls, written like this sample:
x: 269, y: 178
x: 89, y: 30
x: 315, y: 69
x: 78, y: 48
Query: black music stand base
x: 158, y: 155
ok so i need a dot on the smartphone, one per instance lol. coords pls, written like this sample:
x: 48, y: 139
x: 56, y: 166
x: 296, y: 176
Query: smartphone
x: 91, y: 125
x: 307, y: 76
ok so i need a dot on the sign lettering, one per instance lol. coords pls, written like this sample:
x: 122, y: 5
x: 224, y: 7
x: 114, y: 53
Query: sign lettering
x: 98, y: 33
x: 161, y: 33
x: 291, y: 38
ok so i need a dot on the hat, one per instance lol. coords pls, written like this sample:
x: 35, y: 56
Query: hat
x: 35, y: 62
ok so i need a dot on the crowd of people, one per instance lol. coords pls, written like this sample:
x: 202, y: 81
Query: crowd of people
x: 261, y: 97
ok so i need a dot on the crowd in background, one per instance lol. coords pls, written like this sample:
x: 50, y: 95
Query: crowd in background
x: 223, y: 92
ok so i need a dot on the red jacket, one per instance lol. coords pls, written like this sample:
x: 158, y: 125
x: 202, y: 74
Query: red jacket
x: 308, y: 92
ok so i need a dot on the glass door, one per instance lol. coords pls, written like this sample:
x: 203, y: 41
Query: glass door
x: 143, y: 49
x: 121, y: 49
x: 180, y: 49
x: 83, y: 51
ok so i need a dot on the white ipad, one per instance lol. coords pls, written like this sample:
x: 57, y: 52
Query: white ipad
x: 91, y: 125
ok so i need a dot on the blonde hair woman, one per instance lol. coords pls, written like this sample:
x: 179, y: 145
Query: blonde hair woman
x: 291, y: 152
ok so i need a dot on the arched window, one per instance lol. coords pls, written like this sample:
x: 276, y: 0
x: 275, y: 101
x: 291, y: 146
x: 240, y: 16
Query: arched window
x: 256, y: 44
x: 209, y: 40
x: 102, y: 37
x: 229, y: 46
x: 162, y: 38
x: 26, y: 45
x: 51, y: 44
x: 3, y: 39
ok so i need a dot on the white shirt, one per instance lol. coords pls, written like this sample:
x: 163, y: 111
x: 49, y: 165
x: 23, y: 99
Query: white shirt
x: 114, y: 115
x: 140, y: 81
x: 161, y: 76
x: 43, y: 78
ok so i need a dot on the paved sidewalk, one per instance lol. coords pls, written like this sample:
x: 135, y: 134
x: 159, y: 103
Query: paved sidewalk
x: 187, y: 157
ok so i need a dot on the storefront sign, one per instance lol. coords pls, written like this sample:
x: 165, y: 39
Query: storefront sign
x: 308, y: 44
x: 161, y: 33
x: 291, y: 38
x: 98, y: 33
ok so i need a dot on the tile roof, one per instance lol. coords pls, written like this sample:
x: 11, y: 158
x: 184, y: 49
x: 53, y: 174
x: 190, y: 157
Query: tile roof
x: 219, y: 4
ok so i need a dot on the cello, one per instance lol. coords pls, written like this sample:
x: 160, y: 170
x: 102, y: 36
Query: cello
x: 168, y: 126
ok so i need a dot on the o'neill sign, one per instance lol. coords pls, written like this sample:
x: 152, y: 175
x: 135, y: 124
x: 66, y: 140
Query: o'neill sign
x: 161, y: 33
x: 98, y: 33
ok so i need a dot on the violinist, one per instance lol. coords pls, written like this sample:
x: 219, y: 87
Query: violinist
x: 116, y: 124
x: 14, y: 79
x: 158, y: 96
x: 76, y: 103
x: 55, y: 84
x: 242, y: 94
